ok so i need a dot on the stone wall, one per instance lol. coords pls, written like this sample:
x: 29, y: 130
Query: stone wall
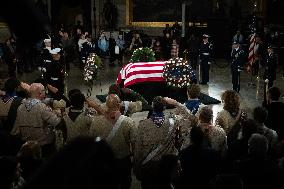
x: 4, y: 32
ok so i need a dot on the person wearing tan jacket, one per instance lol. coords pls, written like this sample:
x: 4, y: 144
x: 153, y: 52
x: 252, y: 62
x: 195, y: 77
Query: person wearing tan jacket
x: 120, y: 133
x: 36, y: 121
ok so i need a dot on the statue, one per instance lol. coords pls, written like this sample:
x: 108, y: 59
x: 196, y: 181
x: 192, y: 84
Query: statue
x: 110, y: 14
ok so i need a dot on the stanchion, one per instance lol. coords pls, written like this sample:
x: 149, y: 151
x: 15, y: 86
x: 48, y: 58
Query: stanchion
x: 199, y: 71
x: 251, y: 83
x: 257, y: 87
x: 64, y: 60
x: 265, y: 91
x: 16, y: 68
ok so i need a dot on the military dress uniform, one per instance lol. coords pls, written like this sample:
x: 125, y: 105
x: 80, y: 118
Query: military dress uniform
x: 205, y: 54
x: 46, y: 57
x: 238, y: 61
x: 55, y: 75
x: 270, y: 69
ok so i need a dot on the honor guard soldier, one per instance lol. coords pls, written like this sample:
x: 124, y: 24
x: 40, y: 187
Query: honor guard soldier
x: 270, y: 67
x: 46, y: 55
x: 205, y: 54
x: 55, y: 72
x: 238, y: 61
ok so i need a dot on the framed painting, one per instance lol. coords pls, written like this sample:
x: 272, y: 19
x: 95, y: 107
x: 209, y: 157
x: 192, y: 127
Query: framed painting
x: 155, y: 13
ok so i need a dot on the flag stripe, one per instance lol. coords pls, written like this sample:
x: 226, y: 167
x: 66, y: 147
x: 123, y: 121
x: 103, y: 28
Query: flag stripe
x: 141, y: 80
x: 141, y: 72
x: 252, y: 49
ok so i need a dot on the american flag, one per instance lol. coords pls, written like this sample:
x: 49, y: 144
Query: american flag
x: 252, y: 44
x: 141, y: 72
x: 252, y: 49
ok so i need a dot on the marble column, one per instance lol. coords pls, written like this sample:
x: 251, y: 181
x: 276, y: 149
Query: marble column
x: 183, y: 19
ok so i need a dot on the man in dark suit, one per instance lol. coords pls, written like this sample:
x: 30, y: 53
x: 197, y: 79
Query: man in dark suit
x: 275, y: 109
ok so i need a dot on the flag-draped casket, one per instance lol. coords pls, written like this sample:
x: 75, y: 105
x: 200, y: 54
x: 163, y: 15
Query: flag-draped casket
x: 147, y: 79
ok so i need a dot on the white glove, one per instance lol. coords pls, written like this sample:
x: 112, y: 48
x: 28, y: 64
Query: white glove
x: 266, y: 81
x: 239, y: 70
x: 209, y: 63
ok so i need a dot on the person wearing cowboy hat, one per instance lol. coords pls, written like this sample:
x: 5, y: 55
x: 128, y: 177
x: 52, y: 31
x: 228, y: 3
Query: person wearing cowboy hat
x: 205, y: 54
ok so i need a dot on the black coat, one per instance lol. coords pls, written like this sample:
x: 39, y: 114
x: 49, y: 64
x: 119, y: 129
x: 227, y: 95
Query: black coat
x: 9, y: 53
x: 270, y: 67
x: 55, y: 75
x: 259, y: 172
x: 87, y: 48
x: 205, y: 52
x: 199, y: 166
x: 112, y: 45
x: 238, y: 59
x: 274, y: 118
x: 46, y: 56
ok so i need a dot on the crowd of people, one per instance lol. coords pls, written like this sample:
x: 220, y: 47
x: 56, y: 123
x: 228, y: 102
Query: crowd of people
x: 76, y: 45
x: 74, y: 141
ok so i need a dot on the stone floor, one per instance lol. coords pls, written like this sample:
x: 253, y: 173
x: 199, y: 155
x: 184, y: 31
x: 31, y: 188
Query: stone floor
x: 220, y: 80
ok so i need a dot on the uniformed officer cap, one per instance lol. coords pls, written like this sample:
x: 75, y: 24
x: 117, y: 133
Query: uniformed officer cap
x: 269, y: 47
x: 205, y: 36
x: 48, y: 40
x: 55, y: 51
x: 236, y: 42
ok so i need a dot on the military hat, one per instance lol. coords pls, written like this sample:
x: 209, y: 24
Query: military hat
x: 55, y: 51
x: 48, y: 40
x: 205, y: 36
x: 235, y: 42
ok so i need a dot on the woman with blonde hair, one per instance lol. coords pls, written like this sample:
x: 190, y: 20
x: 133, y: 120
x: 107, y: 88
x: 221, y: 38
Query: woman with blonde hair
x: 231, y: 112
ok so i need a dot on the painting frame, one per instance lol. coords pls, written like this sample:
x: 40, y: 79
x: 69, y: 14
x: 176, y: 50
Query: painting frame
x: 129, y: 19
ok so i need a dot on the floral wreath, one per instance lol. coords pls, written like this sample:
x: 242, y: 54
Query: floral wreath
x: 144, y: 54
x: 91, y: 68
x: 178, y: 73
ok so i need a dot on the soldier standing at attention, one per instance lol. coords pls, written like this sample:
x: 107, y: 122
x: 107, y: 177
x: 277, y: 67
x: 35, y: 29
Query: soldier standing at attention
x: 238, y: 60
x: 205, y: 53
x: 55, y: 72
x: 46, y: 55
x: 270, y: 67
